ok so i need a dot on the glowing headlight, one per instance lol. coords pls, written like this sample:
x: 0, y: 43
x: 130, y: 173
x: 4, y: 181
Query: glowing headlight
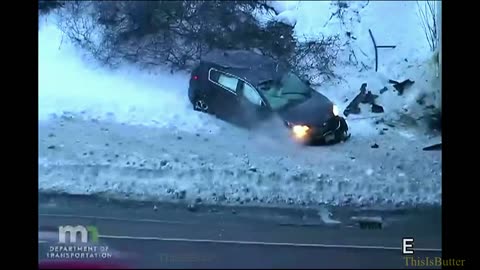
x: 300, y: 131
x: 335, y: 110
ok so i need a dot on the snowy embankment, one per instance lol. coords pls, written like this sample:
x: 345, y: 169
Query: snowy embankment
x: 132, y: 134
x: 68, y: 84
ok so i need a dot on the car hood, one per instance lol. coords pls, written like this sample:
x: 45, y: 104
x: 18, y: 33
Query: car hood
x: 314, y: 111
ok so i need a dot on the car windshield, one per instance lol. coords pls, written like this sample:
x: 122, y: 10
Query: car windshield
x: 287, y: 91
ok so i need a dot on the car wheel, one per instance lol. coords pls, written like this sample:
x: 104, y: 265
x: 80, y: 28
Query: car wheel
x: 201, y: 105
x: 343, y: 136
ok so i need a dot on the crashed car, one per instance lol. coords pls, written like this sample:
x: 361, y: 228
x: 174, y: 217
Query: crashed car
x: 246, y: 88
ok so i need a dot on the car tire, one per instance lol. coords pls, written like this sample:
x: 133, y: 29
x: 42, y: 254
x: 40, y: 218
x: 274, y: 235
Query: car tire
x: 343, y: 136
x: 200, y: 104
x: 343, y: 133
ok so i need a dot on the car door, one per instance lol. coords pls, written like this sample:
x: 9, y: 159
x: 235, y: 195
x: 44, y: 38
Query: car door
x: 252, y: 108
x: 225, y: 99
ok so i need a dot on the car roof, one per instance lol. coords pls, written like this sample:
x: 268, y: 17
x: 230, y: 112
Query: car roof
x: 255, y: 68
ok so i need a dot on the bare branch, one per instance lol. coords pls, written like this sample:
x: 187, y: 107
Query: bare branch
x: 428, y: 18
x: 178, y: 33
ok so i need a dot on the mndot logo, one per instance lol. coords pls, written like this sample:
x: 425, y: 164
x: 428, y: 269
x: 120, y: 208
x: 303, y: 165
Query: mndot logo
x: 78, y: 242
x: 86, y: 233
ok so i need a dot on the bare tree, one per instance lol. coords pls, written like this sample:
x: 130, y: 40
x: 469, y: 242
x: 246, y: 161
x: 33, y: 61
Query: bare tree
x: 177, y: 33
x: 316, y: 59
x: 428, y: 15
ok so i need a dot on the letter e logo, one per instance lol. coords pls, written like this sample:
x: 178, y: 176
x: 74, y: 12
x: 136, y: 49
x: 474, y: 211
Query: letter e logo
x: 407, y: 246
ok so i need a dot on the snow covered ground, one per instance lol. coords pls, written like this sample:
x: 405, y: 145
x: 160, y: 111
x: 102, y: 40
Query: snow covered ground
x: 117, y: 132
x: 235, y: 166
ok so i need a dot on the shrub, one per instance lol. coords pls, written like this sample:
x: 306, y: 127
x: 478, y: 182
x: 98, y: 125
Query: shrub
x: 178, y: 33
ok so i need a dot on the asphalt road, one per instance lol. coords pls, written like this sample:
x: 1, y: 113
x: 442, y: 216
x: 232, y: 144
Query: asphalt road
x: 170, y: 236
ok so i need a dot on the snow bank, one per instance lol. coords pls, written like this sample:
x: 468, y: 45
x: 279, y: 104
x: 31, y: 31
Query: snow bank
x: 68, y: 83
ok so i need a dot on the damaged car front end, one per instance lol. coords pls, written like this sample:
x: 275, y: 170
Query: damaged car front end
x: 310, y: 116
x: 333, y: 130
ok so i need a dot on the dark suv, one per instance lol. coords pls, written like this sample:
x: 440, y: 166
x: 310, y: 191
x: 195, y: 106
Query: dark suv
x: 244, y: 88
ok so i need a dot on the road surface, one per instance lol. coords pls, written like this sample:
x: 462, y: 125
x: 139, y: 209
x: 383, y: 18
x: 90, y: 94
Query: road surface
x: 144, y: 235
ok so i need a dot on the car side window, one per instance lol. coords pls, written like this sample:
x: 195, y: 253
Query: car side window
x: 252, y: 95
x: 224, y: 80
